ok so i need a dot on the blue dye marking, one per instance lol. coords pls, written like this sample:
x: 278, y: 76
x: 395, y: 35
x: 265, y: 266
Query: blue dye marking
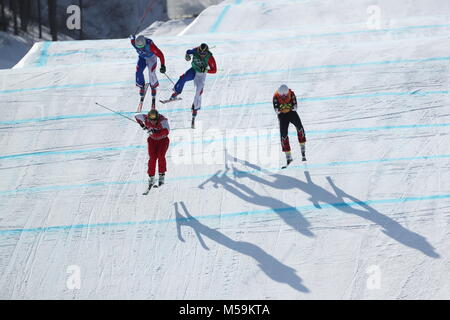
x: 42, y: 60
x: 329, y: 164
x: 219, y: 19
x: 348, y: 65
x: 292, y: 134
x: 230, y: 215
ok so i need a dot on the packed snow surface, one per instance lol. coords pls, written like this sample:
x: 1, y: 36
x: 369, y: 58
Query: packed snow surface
x: 367, y: 215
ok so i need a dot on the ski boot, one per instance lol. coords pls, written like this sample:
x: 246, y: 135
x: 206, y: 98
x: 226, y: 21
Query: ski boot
x: 194, y: 114
x: 288, y: 158
x: 161, y: 179
x: 302, y: 146
x: 173, y: 96
x: 151, y: 181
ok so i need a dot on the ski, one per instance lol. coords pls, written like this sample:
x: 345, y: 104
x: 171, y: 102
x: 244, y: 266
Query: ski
x: 169, y: 100
x: 141, y: 101
x: 288, y: 162
x: 150, y: 187
x: 147, y: 191
x: 155, y: 186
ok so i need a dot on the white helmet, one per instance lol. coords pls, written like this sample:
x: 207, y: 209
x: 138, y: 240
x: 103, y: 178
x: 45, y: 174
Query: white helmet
x: 283, y: 90
x: 140, y: 41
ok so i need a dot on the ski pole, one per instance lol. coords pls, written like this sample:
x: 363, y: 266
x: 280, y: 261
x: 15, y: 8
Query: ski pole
x: 149, y: 7
x: 100, y: 105
x: 169, y: 79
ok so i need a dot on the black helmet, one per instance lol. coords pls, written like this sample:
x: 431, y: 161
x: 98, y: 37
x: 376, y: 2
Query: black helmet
x: 153, y: 114
x: 203, y: 48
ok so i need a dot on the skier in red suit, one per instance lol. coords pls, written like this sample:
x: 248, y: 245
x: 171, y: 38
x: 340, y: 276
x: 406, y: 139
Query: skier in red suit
x: 158, y: 129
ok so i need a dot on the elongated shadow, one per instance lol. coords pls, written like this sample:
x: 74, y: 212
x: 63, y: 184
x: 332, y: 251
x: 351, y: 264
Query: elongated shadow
x: 290, y: 215
x: 357, y: 207
x: 273, y: 268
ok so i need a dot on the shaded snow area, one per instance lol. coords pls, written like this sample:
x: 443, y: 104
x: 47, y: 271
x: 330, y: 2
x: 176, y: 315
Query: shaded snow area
x: 13, y: 48
x: 367, y: 216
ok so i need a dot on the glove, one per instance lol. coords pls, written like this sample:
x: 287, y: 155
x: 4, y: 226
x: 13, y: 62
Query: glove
x: 162, y: 69
x: 132, y: 36
x: 187, y: 57
x: 151, y: 131
x: 203, y: 69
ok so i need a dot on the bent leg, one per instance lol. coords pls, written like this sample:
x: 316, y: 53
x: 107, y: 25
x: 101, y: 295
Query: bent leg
x: 188, y: 76
x: 152, y: 78
x: 284, y: 125
x: 152, y: 148
x: 140, y: 67
x: 199, y: 82
x: 295, y: 120
x: 163, y: 145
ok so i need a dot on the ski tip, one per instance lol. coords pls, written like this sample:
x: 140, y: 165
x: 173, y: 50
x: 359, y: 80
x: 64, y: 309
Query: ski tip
x: 169, y: 100
x: 147, y: 191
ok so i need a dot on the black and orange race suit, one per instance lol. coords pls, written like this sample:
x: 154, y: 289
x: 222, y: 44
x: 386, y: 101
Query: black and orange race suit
x: 285, y: 107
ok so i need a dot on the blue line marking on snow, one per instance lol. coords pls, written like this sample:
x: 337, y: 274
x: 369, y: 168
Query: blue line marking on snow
x: 230, y: 215
x: 347, y: 65
x: 330, y: 66
x: 43, y: 57
x: 406, y: 126
x: 207, y: 176
x: 64, y: 117
x: 375, y: 94
x: 174, y: 144
x: 219, y: 19
x: 68, y: 86
x: 91, y: 50
x: 218, y: 107
x: 68, y: 152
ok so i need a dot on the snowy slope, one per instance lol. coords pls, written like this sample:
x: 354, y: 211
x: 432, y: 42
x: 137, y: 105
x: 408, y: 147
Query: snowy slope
x: 371, y: 203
